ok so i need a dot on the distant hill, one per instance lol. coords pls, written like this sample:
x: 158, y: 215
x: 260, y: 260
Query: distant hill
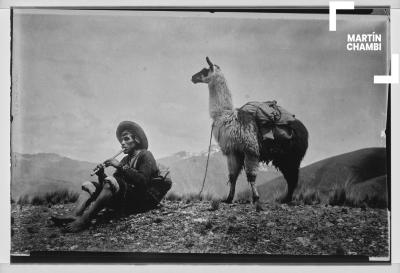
x: 41, y: 173
x: 359, y: 175
x: 46, y: 172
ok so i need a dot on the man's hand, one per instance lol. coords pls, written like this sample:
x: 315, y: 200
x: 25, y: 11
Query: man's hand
x: 112, y: 162
x: 100, y: 172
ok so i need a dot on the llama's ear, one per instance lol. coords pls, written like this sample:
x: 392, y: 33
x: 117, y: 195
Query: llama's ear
x: 210, y: 64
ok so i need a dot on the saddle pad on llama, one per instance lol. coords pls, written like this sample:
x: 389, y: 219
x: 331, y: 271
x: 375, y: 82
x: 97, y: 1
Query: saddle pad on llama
x: 271, y: 119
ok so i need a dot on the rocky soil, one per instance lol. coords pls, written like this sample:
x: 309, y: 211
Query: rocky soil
x: 202, y: 227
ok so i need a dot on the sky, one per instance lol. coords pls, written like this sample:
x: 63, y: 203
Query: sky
x: 77, y: 74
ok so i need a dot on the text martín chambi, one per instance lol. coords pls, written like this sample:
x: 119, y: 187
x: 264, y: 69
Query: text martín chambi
x: 364, y: 42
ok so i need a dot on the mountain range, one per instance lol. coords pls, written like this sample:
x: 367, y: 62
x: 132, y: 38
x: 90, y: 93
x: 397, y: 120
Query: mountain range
x: 361, y: 173
x: 188, y: 170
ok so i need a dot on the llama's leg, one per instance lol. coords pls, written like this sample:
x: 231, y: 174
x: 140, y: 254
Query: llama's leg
x: 291, y: 174
x: 251, y: 166
x: 235, y: 165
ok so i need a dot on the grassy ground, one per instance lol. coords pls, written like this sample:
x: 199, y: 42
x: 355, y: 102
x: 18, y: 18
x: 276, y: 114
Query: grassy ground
x: 211, y: 227
x: 49, y: 198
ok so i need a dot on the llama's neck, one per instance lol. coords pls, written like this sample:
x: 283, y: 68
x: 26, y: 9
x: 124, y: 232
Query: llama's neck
x: 220, y: 96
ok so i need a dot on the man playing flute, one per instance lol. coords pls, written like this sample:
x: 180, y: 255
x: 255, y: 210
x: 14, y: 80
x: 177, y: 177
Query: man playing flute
x: 129, y: 189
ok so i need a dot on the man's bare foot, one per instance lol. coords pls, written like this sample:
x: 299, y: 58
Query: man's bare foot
x: 77, y: 225
x: 60, y: 220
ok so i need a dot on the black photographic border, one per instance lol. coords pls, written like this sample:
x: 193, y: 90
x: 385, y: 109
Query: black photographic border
x: 74, y: 257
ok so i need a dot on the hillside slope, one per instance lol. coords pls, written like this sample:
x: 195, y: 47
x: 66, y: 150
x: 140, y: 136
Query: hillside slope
x: 360, y: 174
x: 38, y: 173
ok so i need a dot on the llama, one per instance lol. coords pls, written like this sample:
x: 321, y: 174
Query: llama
x: 238, y: 135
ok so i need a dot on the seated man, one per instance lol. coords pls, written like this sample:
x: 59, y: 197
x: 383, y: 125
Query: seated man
x: 130, y: 188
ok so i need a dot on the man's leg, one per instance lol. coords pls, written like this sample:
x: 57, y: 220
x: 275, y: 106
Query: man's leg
x: 82, y: 203
x: 88, y: 194
x: 82, y: 221
x: 85, y: 197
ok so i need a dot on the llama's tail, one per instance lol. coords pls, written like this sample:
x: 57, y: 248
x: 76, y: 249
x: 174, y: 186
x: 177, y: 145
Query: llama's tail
x: 299, y: 142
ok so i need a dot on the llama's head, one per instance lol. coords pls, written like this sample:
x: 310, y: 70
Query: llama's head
x: 206, y: 74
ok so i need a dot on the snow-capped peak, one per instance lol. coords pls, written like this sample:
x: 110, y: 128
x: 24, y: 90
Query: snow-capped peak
x: 213, y: 149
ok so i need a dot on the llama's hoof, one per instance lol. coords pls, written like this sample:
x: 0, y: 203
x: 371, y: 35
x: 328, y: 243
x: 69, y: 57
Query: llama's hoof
x: 285, y: 200
x: 227, y: 200
x: 258, y: 206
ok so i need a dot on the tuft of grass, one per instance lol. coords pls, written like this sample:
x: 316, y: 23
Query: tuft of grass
x: 368, y: 201
x: 191, y: 197
x: 244, y: 197
x: 337, y: 197
x: 207, y: 197
x: 173, y: 196
x: 215, y: 204
x: 375, y: 202
x: 277, y: 196
x: 49, y: 198
x: 24, y: 199
x: 38, y: 200
x: 309, y: 197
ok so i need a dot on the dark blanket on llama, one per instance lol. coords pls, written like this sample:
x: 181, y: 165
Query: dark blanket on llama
x: 271, y: 119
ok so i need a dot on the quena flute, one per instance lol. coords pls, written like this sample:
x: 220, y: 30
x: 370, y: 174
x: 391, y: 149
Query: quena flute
x: 95, y: 170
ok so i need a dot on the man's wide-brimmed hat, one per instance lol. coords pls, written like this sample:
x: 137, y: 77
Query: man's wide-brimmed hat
x: 135, y: 129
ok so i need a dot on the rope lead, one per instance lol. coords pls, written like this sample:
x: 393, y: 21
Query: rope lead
x: 208, y: 157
